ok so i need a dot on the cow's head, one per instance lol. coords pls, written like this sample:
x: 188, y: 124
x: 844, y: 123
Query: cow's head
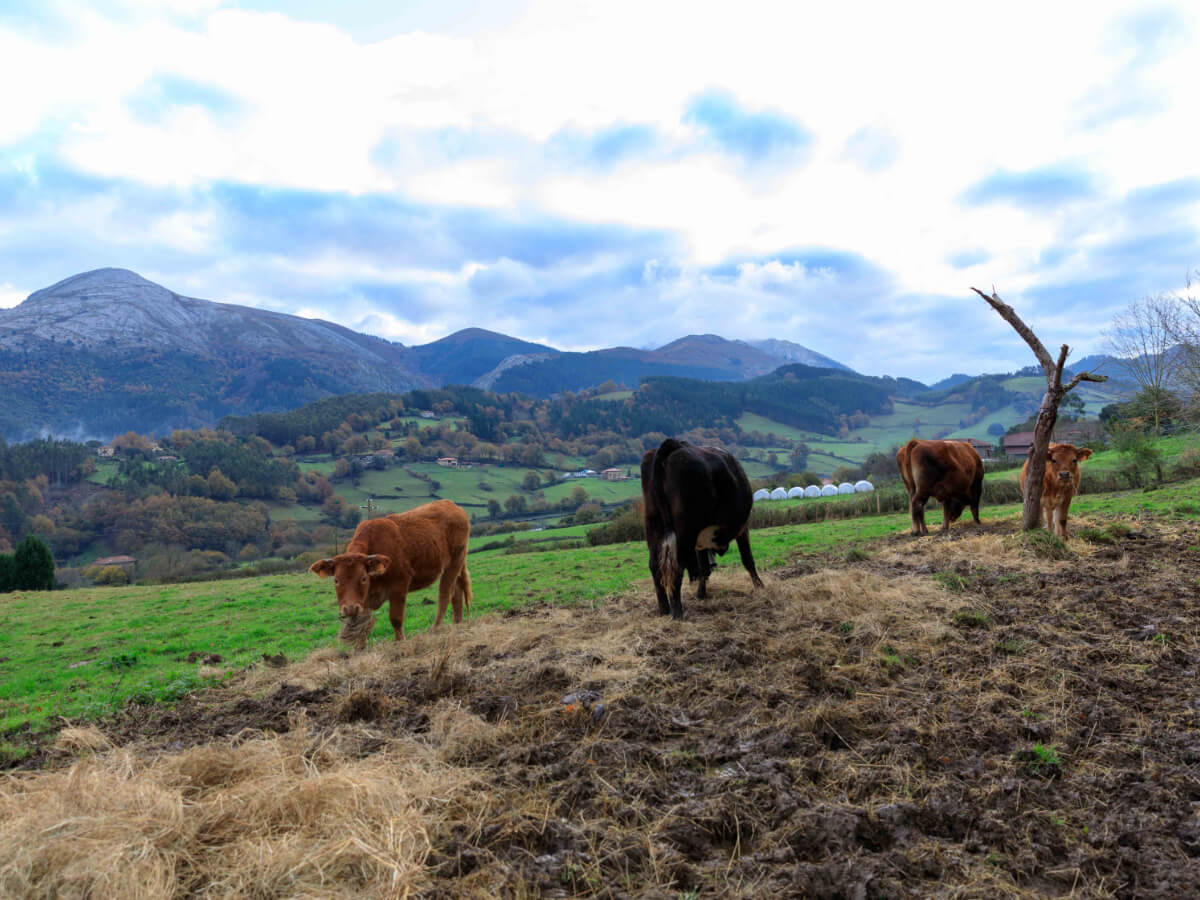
x: 351, y: 573
x: 1062, y: 462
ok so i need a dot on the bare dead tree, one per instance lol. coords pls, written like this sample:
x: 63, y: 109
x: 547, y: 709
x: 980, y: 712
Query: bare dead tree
x: 1144, y: 339
x: 1186, y: 334
x: 1047, y: 413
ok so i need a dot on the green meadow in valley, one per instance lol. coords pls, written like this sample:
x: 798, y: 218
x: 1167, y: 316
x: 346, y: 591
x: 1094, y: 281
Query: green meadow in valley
x: 83, y: 653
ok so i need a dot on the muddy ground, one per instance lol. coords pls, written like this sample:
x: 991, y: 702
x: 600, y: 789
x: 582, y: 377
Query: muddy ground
x: 937, y: 717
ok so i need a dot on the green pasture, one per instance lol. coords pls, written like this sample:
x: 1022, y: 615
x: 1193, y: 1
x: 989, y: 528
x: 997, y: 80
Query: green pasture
x: 756, y: 468
x: 82, y: 653
x: 754, y: 422
x: 1025, y: 384
x: 429, y: 423
x: 614, y: 395
x: 1005, y: 416
x: 105, y: 469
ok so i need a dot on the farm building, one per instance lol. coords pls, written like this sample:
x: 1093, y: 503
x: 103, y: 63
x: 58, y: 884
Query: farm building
x: 983, y: 448
x: 845, y: 488
x: 762, y: 494
x: 812, y: 491
x: 1018, y: 444
x: 863, y: 487
x: 795, y: 492
x: 830, y: 490
x: 125, y: 563
x: 613, y: 474
x: 779, y: 494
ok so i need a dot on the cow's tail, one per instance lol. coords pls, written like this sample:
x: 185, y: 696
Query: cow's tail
x: 668, y: 562
x: 668, y: 554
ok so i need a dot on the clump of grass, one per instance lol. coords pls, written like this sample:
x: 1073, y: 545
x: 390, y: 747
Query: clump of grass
x: 971, y: 618
x: 121, y: 661
x: 1094, y: 535
x: 891, y: 657
x: 856, y: 554
x: 1108, y: 534
x: 1043, y: 544
x: 951, y: 581
x: 1040, y: 759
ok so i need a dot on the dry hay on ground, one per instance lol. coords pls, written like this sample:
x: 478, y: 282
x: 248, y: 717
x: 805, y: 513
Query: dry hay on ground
x: 948, y: 717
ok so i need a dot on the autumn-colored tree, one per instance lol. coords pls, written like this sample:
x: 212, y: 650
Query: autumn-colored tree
x: 131, y: 440
x: 220, y: 487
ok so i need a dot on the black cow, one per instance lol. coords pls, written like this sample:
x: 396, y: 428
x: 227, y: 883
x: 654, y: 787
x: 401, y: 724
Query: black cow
x: 696, y: 501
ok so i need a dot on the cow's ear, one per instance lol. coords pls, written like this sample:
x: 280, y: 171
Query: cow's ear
x: 377, y: 564
x: 322, y: 568
x: 1083, y: 453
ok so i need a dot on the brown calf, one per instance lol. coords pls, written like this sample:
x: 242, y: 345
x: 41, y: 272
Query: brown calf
x: 1059, y: 484
x: 392, y: 555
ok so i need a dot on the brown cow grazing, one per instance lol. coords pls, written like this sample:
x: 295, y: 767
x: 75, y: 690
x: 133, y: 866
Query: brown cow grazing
x: 949, y: 471
x: 1059, y: 484
x: 392, y: 555
x: 696, y: 501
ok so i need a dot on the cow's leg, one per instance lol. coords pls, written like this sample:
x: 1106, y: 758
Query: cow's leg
x: 675, y: 585
x: 704, y: 561
x: 1060, y: 521
x: 676, y: 598
x: 463, y: 591
x: 916, y: 508
x: 396, y: 608
x: 743, y: 542
x: 448, y: 588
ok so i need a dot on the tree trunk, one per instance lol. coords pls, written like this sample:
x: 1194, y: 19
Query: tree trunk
x: 1047, y: 413
x: 1031, y: 513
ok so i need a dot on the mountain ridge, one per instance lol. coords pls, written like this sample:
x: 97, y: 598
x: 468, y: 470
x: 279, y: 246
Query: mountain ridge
x: 103, y: 351
x: 106, y: 351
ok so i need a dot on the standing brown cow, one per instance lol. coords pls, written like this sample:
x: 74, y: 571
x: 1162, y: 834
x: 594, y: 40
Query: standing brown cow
x: 949, y: 471
x: 1059, y: 484
x: 392, y: 555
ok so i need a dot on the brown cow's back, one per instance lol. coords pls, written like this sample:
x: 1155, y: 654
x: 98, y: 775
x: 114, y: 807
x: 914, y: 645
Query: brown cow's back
x: 419, y: 541
x: 404, y: 552
x: 949, y: 471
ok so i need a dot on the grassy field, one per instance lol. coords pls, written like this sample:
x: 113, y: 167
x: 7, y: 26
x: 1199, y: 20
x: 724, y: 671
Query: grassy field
x: 397, y: 489
x: 85, y: 652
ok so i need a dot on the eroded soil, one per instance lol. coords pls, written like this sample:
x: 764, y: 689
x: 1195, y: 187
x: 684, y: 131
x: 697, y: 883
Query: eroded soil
x: 946, y: 717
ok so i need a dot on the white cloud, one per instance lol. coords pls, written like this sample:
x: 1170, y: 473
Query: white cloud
x: 10, y: 296
x: 906, y: 112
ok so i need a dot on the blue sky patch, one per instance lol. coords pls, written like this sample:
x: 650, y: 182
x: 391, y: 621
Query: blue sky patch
x: 1040, y: 188
x: 754, y: 136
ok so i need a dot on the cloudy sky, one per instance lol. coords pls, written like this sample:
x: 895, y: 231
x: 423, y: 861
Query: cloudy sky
x: 590, y: 175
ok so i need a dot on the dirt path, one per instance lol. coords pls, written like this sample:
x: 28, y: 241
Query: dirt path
x: 961, y: 717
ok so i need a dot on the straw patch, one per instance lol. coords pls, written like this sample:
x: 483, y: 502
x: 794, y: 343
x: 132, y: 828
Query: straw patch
x: 941, y: 717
